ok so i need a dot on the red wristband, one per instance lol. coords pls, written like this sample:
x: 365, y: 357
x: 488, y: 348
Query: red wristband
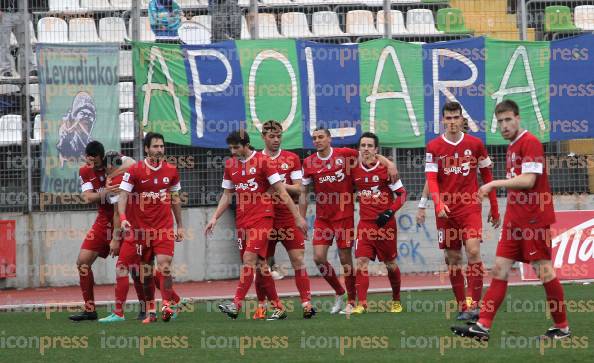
x: 122, y: 217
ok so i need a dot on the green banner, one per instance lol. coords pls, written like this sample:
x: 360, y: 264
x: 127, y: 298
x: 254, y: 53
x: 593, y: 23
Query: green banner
x: 520, y: 73
x: 79, y: 102
x: 391, y: 79
x: 271, y: 88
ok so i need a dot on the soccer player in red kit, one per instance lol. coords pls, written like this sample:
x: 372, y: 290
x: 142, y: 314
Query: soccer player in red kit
x: 329, y: 171
x: 149, y: 192
x: 376, y: 231
x: 92, y: 178
x: 526, y: 235
x: 285, y: 231
x: 250, y: 175
x: 451, y: 164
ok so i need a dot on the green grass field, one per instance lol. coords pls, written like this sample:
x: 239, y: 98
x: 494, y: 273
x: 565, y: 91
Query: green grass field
x: 420, y: 334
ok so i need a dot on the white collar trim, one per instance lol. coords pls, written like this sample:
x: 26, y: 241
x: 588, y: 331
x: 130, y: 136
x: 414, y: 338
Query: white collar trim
x: 153, y: 168
x: 249, y: 157
x: 272, y: 157
x: 518, y: 137
x: 453, y: 143
x: 327, y: 157
x: 372, y: 168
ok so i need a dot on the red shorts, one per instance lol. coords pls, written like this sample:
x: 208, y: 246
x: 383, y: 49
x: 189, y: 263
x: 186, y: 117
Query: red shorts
x: 255, y: 238
x: 453, y: 232
x: 288, y: 234
x: 325, y: 231
x: 374, y: 241
x: 98, y: 238
x: 524, y: 244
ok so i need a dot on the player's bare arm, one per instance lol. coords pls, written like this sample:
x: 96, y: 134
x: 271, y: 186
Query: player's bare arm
x: 114, y: 245
x: 304, y: 191
x: 392, y: 169
x: 224, y: 203
x: 122, y: 201
x: 177, y: 214
x: 422, y: 205
x: 294, y: 189
x: 520, y: 182
x: 279, y: 188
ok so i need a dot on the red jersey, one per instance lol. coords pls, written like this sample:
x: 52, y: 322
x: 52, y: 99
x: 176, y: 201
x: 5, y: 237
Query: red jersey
x: 289, y: 170
x: 94, y: 180
x: 149, y: 202
x: 333, y: 182
x: 375, y: 192
x: 531, y: 207
x: 251, y: 178
x: 456, y: 165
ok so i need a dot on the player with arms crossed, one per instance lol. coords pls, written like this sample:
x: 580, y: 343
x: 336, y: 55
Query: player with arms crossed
x: 526, y: 234
x: 451, y: 164
x: 250, y: 175
x: 376, y: 231
x: 149, y: 192
x: 329, y: 171
x: 285, y: 230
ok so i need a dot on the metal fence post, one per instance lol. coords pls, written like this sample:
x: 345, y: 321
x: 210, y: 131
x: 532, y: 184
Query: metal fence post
x: 253, y: 16
x: 26, y: 105
x: 387, y: 20
x: 521, y: 6
x: 137, y: 144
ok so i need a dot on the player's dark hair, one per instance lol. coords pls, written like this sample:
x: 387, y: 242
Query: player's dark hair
x: 507, y: 105
x: 326, y: 131
x: 271, y: 125
x: 149, y: 138
x: 95, y: 148
x: 451, y: 107
x: 370, y: 135
x: 240, y: 137
x: 112, y: 158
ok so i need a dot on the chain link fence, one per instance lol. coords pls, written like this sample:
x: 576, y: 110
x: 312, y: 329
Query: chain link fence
x: 334, y: 21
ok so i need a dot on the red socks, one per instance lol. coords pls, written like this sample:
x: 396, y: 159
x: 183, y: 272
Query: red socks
x: 394, y: 276
x: 491, y: 302
x: 302, y: 283
x: 350, y: 280
x: 457, y: 281
x: 157, y: 281
x: 87, y: 282
x: 330, y: 276
x: 556, y: 302
x: 474, y: 276
x: 121, y: 293
x: 166, y: 287
x: 362, y: 285
x: 260, y: 290
x: 246, y: 278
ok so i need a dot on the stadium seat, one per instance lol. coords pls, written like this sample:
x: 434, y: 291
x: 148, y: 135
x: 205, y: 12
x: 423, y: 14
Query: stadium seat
x: 121, y: 4
x: 64, y: 6
x: 96, y: 5
x: 112, y: 29
x: 397, y: 20
x: 37, y: 138
x: 420, y: 21
x: 204, y: 20
x: 326, y: 24
x: 126, y: 126
x: 6, y: 89
x: 126, y: 95
x: 558, y: 20
x: 360, y: 22
x: 244, y: 3
x: 82, y: 30
x: 267, y: 28
x: 146, y: 34
x: 584, y: 17
x: 276, y: 2
x: 190, y: 33
x: 11, y: 127
x: 245, y: 30
x: 34, y: 92
x: 125, y: 68
x: 294, y: 25
x: 451, y: 20
x: 52, y: 30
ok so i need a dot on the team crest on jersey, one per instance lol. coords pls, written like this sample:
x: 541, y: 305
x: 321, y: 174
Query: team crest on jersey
x: 284, y: 166
x: 252, y: 170
x: 375, y: 178
x: 126, y: 177
x: 339, y: 162
x: 166, y: 180
x: 156, y: 181
x: 101, y: 178
x: 467, y: 152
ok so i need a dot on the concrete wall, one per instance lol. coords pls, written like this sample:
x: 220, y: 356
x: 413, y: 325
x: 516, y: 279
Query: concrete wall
x: 47, y: 255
